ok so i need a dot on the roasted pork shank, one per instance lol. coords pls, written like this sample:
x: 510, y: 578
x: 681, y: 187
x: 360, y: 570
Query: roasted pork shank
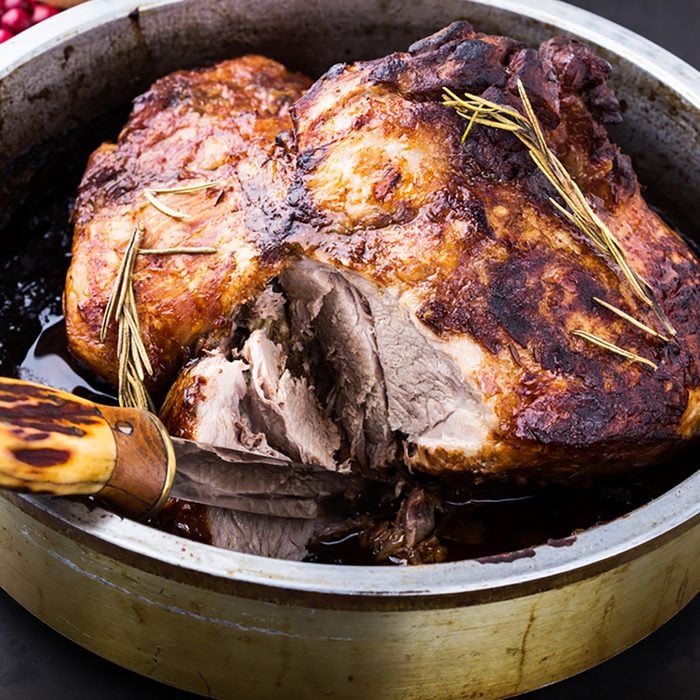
x: 426, y: 290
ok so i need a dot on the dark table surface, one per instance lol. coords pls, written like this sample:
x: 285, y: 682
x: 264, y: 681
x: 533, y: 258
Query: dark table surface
x: 36, y: 662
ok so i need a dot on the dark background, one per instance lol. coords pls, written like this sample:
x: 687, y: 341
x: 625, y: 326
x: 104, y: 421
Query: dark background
x: 36, y: 662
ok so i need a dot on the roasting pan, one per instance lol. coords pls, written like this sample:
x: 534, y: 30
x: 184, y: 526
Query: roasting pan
x: 231, y: 625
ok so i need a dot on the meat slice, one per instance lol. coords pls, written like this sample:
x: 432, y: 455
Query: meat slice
x: 242, y: 531
x: 264, y: 535
x: 327, y: 309
x: 223, y: 125
x: 253, y: 403
x: 206, y: 404
x: 475, y: 281
x: 285, y: 407
x: 265, y: 509
x: 393, y: 386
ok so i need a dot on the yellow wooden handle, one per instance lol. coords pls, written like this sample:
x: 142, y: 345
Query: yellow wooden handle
x: 56, y: 443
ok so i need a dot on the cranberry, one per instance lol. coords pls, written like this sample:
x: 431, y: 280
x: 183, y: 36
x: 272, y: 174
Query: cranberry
x: 16, y: 20
x: 5, y: 34
x: 26, y: 5
x: 42, y: 12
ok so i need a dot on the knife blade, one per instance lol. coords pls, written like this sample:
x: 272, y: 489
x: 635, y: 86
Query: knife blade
x: 53, y: 442
x: 241, y: 480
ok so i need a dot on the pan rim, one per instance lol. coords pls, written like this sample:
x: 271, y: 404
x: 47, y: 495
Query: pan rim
x: 546, y: 566
x: 599, y: 547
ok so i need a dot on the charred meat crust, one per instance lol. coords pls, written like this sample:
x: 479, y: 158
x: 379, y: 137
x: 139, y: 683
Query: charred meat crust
x: 482, y: 253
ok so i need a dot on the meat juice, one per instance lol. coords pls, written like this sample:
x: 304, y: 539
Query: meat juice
x: 500, y: 519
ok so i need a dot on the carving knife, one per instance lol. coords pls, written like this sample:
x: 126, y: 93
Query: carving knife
x: 53, y: 442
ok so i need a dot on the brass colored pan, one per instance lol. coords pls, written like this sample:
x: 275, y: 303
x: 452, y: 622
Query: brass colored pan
x: 225, y: 624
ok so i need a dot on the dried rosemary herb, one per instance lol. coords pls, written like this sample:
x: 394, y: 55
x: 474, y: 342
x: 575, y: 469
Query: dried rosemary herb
x: 134, y: 364
x: 607, y: 345
x: 152, y: 196
x: 575, y: 208
x: 133, y: 360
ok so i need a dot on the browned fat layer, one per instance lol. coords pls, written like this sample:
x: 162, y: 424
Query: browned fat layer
x: 42, y: 457
x: 180, y: 419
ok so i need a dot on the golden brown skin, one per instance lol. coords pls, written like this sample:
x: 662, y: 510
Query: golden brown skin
x: 220, y: 125
x: 465, y: 234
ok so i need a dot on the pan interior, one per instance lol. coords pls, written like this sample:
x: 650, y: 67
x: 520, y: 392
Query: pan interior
x: 69, y: 123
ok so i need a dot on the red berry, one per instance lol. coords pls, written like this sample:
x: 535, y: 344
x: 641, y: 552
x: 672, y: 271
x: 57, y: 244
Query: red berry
x: 5, y: 34
x: 16, y: 20
x: 42, y: 12
x: 26, y: 5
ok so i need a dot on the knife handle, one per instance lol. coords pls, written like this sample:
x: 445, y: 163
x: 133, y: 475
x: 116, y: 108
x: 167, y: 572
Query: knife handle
x: 52, y: 442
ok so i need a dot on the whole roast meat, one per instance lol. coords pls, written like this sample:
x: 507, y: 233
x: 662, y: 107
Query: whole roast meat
x: 383, y: 292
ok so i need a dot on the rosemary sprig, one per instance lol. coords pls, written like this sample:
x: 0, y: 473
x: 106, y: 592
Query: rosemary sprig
x: 151, y: 195
x: 134, y: 364
x: 164, y: 208
x: 133, y: 360
x: 631, y: 319
x: 607, y: 345
x: 527, y: 129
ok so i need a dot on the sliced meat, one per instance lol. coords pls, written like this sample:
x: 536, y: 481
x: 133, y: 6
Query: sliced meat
x: 254, y: 402
x: 266, y: 508
x: 286, y: 407
x: 325, y: 308
x: 230, y: 403
x: 267, y: 536
x: 392, y: 380
x: 206, y: 404
x: 427, y: 396
x: 250, y: 533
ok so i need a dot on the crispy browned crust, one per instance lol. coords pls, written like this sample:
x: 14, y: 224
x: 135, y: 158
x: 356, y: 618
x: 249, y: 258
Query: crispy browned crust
x: 179, y: 410
x: 384, y: 187
x: 224, y: 124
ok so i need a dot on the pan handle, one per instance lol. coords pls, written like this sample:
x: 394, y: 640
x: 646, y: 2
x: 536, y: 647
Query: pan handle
x: 52, y: 442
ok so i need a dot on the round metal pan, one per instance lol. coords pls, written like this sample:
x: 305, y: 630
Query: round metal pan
x: 231, y: 625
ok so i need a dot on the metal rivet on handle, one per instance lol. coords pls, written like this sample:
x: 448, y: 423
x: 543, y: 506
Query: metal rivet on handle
x: 124, y: 427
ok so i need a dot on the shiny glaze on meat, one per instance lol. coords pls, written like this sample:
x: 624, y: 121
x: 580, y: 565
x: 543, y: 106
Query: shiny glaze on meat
x: 220, y: 125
